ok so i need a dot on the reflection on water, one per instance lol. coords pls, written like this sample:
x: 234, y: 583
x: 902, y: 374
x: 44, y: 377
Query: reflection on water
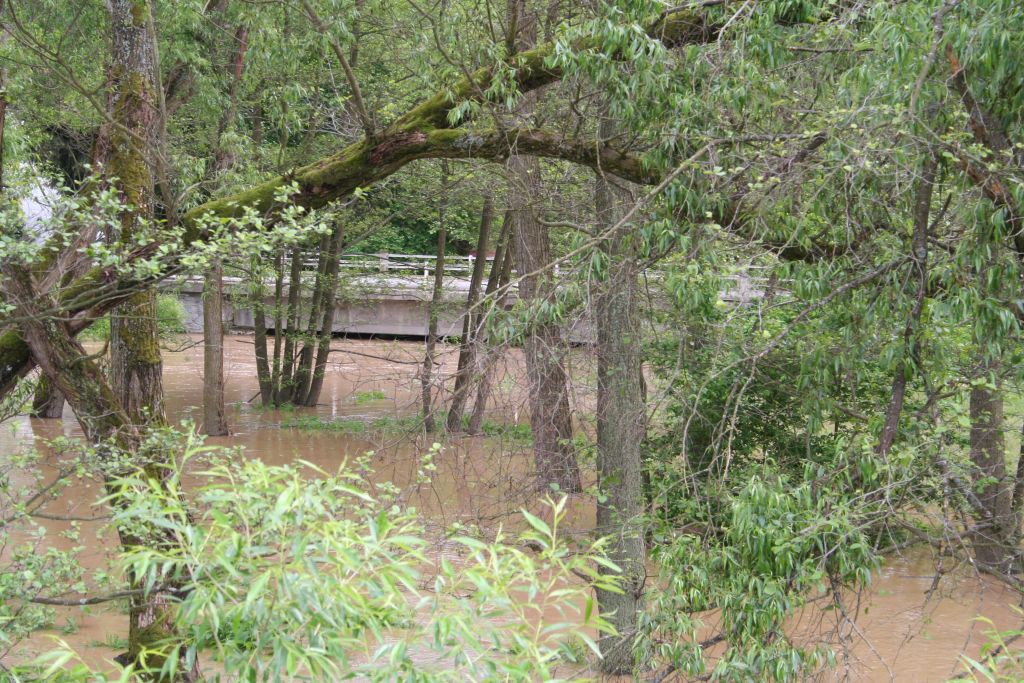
x: 906, y: 629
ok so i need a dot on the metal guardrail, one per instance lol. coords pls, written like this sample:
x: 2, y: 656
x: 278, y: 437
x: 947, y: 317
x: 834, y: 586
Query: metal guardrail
x: 423, y: 265
x: 746, y: 285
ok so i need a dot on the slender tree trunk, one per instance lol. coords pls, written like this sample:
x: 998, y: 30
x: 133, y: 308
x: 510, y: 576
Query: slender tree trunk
x: 919, y: 259
x: 267, y: 381
x: 304, y: 368
x: 620, y: 426
x: 501, y: 274
x: 286, y: 386
x: 275, y: 377
x: 467, y: 349
x: 550, y: 417
x: 214, y: 421
x: 327, y: 323
x: 427, y: 374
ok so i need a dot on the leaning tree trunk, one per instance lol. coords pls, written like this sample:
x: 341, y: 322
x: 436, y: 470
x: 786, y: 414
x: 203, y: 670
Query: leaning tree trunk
x: 107, y: 425
x: 427, y: 373
x: 266, y: 378
x: 620, y: 427
x: 501, y: 274
x: 467, y: 349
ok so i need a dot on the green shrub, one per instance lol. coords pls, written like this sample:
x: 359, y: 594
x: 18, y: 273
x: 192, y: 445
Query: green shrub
x: 170, y: 320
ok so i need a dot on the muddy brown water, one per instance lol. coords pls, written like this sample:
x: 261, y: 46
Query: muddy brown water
x: 907, y: 628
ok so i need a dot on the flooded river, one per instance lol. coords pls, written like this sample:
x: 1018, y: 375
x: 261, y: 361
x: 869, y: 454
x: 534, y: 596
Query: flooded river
x: 909, y: 628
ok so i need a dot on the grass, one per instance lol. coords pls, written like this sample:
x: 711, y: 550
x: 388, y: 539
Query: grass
x: 112, y: 641
x: 364, y: 397
x: 400, y: 425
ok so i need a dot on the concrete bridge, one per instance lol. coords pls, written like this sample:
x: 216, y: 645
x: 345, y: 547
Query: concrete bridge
x: 387, y: 295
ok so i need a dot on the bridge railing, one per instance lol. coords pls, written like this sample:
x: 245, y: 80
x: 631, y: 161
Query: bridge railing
x: 423, y: 265
x: 744, y: 285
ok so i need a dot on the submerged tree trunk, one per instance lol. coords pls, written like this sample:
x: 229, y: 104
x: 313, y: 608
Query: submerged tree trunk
x: 327, y: 322
x: 267, y: 380
x: 550, y: 418
x: 136, y: 368
x: 48, y: 401
x: 284, y: 389
x: 501, y: 274
x: 304, y: 367
x: 620, y: 427
x: 437, y: 294
x: 468, y: 347
x: 214, y: 421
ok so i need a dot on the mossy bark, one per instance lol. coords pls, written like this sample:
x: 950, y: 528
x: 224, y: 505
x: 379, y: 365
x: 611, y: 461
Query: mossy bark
x: 47, y: 402
x: 136, y: 368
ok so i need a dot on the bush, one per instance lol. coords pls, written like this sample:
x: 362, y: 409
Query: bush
x: 170, y: 318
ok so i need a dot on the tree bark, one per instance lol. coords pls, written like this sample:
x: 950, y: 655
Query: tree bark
x: 48, y: 402
x: 467, y: 349
x: 136, y: 368
x: 621, y: 428
x: 327, y: 323
x: 919, y: 262
x: 501, y: 274
x: 550, y: 417
x: 214, y: 421
x: 436, y: 300
x: 544, y: 348
x: 995, y: 533
x: 304, y: 368
x: 285, y: 388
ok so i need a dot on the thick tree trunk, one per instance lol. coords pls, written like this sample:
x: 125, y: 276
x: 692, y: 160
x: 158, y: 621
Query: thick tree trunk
x: 995, y: 533
x: 214, y: 421
x: 106, y: 424
x: 550, y: 418
x: 620, y: 427
x: 48, y: 402
x: 136, y: 368
x: 468, y: 347
x: 427, y: 373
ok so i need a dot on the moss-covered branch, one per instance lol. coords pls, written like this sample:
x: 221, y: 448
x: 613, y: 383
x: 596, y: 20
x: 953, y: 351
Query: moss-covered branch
x: 425, y: 131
